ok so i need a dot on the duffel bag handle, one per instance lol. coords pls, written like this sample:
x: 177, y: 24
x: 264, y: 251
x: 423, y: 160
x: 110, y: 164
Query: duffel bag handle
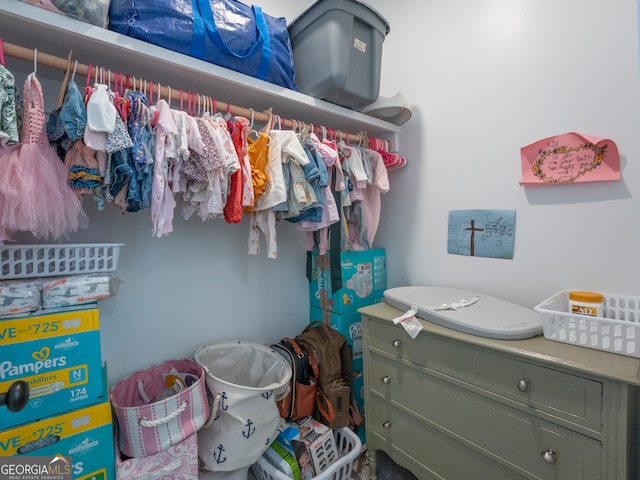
x: 203, y: 20
x: 161, y: 421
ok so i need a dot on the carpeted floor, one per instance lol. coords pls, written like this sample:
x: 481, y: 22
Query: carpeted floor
x: 387, y: 469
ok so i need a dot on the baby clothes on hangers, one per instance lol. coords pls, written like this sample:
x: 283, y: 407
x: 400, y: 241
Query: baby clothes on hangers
x: 221, y: 177
x: 162, y: 202
x: 330, y: 215
x: 263, y: 221
x: 239, y: 194
x: 119, y: 138
x: 142, y: 153
x: 211, y: 201
x: 82, y: 166
x: 120, y: 173
x: 9, y: 133
x: 372, y: 201
x: 194, y: 170
x: 34, y: 192
x: 101, y: 118
x: 300, y: 194
x: 258, y: 152
x: 188, y: 169
x: 282, y: 144
x: 177, y: 180
x: 319, y: 240
x: 248, y: 196
x: 364, y: 216
x: 292, y: 157
x: 353, y: 157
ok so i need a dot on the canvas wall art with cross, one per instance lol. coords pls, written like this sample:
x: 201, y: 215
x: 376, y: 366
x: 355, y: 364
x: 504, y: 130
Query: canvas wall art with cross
x: 481, y: 233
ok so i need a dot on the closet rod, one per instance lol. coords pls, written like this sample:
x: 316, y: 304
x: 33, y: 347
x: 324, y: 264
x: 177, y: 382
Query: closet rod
x: 52, y: 61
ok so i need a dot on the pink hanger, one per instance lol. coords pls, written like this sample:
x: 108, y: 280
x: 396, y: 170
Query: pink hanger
x: 87, y: 87
x: 2, y: 53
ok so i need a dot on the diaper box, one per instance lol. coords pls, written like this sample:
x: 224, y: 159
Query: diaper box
x: 359, y: 280
x: 319, y: 442
x: 81, y: 440
x: 58, y: 355
x: 349, y: 325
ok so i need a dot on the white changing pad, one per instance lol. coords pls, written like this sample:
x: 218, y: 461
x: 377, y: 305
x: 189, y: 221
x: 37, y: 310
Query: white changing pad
x: 487, y: 317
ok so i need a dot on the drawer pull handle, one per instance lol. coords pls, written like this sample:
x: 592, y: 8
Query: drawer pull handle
x: 386, y: 379
x: 523, y: 385
x: 396, y: 343
x: 386, y: 425
x: 549, y: 456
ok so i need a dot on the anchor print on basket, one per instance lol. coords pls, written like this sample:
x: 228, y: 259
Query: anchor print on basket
x: 247, y: 379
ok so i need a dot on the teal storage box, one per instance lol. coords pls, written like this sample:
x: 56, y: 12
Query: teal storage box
x: 360, y: 281
x: 348, y: 324
x: 337, y: 52
x: 85, y: 435
x: 58, y: 355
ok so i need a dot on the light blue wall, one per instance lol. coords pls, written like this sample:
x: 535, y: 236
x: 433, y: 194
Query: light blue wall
x: 483, y: 78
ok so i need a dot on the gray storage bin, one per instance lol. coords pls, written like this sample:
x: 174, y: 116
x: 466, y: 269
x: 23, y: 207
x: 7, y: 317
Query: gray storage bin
x: 337, y: 52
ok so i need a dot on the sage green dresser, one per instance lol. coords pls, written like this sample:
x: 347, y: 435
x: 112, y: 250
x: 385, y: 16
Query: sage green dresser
x: 449, y: 405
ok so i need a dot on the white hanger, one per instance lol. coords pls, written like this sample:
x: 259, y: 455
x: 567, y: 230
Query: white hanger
x: 73, y: 75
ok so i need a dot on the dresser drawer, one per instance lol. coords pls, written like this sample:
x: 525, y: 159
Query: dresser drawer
x: 513, y: 439
x: 572, y: 398
x: 429, y: 453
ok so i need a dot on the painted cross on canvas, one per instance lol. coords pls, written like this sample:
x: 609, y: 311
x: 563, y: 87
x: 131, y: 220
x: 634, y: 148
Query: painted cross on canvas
x: 481, y: 233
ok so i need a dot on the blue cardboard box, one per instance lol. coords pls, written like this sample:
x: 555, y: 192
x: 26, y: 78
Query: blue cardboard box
x: 58, y: 355
x: 362, y: 276
x: 348, y: 324
x: 288, y: 434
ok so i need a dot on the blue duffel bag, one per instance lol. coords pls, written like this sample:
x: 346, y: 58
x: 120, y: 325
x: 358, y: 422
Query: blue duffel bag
x: 224, y: 32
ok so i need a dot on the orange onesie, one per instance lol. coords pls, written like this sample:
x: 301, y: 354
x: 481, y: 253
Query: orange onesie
x: 258, y: 151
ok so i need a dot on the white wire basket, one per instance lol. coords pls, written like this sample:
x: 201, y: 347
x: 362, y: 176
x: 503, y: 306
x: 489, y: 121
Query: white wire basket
x: 349, y: 447
x: 29, y: 261
x: 617, y: 332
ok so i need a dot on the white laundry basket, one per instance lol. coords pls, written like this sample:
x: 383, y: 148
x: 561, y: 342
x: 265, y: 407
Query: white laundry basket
x: 349, y: 447
x: 45, y: 260
x: 245, y: 380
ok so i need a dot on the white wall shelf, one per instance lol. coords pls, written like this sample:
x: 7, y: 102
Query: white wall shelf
x: 33, y: 27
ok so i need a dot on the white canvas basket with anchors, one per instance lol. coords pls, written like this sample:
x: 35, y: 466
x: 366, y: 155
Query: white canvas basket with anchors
x: 246, y: 380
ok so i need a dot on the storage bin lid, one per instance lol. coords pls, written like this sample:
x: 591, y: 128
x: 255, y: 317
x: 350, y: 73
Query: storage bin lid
x: 358, y: 9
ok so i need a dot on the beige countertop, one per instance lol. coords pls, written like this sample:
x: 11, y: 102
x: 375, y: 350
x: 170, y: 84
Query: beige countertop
x: 580, y: 359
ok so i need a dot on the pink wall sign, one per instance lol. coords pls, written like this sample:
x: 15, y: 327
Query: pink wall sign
x: 570, y: 158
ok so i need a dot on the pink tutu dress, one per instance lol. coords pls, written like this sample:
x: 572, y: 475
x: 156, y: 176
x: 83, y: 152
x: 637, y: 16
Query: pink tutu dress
x: 35, y: 195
